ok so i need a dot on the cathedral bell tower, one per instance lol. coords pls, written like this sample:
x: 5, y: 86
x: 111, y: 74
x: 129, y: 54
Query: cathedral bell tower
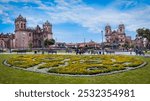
x: 20, y: 32
x: 108, y: 30
x: 108, y: 33
x: 121, y: 29
x: 20, y: 23
x: 47, y: 30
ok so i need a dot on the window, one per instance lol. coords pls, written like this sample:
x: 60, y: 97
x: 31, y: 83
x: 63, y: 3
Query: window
x: 107, y: 31
x: 21, y: 25
x: 24, y: 25
x: 29, y: 34
x: 120, y: 29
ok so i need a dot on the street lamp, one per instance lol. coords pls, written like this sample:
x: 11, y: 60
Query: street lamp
x: 102, y: 43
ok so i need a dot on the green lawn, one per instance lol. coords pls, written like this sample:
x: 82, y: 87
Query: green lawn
x: 15, y: 76
x: 148, y: 52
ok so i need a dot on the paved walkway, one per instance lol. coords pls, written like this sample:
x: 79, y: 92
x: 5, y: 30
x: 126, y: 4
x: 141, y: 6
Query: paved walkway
x: 116, y: 53
x: 125, y: 53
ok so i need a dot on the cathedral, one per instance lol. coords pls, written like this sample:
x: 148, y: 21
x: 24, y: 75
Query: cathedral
x: 26, y: 37
x: 116, y: 37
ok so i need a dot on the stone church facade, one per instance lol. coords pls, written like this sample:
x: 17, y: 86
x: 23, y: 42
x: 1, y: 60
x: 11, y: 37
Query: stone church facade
x: 26, y: 37
x: 117, y: 37
x: 7, y: 41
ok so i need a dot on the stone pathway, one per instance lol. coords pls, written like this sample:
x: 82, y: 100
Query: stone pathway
x: 35, y: 68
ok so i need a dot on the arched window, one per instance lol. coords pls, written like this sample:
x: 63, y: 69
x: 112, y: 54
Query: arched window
x: 29, y: 34
x: 24, y: 25
x: 120, y: 29
x: 107, y: 31
x: 21, y: 25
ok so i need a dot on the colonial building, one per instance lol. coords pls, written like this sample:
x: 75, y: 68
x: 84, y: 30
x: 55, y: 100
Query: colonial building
x: 7, y: 41
x: 116, y: 37
x: 35, y: 37
x: 26, y: 37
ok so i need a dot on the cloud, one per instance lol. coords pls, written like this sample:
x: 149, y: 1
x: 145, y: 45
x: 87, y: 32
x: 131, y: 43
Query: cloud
x: 7, y: 1
x: 7, y: 20
x: 1, y: 12
x: 93, y: 18
x: 125, y: 4
x: 73, y: 12
x: 133, y: 15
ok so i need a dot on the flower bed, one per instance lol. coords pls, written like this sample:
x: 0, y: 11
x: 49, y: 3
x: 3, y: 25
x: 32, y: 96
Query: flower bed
x: 76, y: 64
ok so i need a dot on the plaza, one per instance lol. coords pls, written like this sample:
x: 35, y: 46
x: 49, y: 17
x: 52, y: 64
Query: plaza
x: 74, y: 42
x: 27, y: 60
x: 26, y: 74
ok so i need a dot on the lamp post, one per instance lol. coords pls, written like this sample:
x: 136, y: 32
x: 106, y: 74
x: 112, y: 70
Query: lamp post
x: 102, y: 43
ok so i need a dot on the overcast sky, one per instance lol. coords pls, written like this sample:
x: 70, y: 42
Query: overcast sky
x: 74, y: 20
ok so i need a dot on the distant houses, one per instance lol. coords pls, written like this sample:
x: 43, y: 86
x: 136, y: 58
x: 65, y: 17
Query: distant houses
x: 90, y: 44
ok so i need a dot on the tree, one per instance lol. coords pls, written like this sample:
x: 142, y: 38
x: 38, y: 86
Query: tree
x: 48, y: 42
x: 51, y: 42
x: 144, y: 33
